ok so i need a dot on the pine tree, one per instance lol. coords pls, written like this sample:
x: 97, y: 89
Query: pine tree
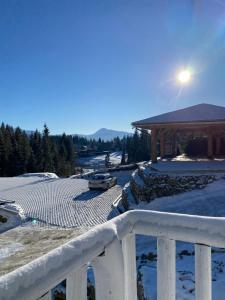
x: 3, y: 155
x: 36, y: 159
x: 47, y: 155
x: 123, y: 158
x: 21, y: 152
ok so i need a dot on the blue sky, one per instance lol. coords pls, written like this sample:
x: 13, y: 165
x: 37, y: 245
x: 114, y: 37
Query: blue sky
x: 83, y: 65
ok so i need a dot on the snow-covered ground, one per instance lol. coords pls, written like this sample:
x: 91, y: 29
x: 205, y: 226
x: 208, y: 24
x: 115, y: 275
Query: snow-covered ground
x: 209, y: 201
x: 98, y: 161
x: 66, y: 200
x: 185, y: 270
x: 187, y: 165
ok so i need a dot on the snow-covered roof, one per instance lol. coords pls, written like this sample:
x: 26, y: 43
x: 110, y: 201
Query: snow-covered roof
x: 198, y: 113
x: 61, y: 202
x: 40, y: 175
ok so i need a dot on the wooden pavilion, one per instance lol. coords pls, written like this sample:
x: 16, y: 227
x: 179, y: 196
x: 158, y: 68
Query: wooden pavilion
x: 203, y: 119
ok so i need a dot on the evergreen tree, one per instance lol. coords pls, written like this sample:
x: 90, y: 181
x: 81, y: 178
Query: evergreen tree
x: 21, y: 152
x: 47, y: 155
x: 36, y: 159
x: 123, y: 158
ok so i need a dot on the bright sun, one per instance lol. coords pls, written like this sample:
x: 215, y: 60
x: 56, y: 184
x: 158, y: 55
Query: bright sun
x: 184, y: 76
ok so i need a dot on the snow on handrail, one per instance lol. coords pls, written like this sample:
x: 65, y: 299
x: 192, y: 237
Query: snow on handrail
x: 37, y: 277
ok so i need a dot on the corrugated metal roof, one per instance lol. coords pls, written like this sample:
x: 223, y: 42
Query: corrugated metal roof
x: 198, y: 113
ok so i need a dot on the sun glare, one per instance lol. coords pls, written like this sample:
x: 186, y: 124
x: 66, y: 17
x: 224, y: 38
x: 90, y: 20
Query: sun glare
x: 184, y: 76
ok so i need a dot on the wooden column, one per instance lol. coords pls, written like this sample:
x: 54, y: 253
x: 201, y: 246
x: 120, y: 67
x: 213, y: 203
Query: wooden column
x: 210, y: 145
x: 174, y: 144
x: 218, y: 145
x: 154, y: 145
x: 162, y: 143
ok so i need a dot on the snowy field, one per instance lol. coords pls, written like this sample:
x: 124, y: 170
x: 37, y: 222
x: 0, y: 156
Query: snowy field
x: 62, y: 202
x: 98, y: 161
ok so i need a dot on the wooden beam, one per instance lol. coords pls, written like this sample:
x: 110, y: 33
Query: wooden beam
x: 154, y: 145
x: 174, y: 143
x: 162, y: 143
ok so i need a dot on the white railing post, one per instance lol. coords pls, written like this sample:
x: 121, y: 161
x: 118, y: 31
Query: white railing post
x: 203, y: 274
x: 130, y: 272
x: 166, y: 269
x: 109, y: 273
x: 76, y: 285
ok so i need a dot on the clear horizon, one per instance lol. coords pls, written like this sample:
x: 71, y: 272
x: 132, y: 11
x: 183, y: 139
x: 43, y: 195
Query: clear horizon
x: 81, y: 66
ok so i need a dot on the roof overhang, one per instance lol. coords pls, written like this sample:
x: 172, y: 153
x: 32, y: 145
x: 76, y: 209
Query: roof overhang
x: 182, y: 125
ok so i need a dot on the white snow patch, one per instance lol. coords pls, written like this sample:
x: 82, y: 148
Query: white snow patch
x: 45, y: 175
x: 99, y: 160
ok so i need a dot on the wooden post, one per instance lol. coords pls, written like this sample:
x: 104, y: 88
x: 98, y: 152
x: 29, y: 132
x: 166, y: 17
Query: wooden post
x: 162, y: 143
x: 174, y: 144
x: 154, y: 145
x: 218, y: 145
x: 210, y: 145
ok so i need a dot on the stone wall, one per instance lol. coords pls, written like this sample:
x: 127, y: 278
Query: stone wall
x: 155, y: 185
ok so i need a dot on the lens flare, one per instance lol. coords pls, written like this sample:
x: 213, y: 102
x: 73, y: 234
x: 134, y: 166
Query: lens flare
x: 184, y: 76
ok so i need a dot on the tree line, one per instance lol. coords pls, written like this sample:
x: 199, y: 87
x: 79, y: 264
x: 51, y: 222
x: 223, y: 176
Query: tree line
x: 134, y: 148
x: 137, y: 147
x: 37, y: 152
x: 41, y: 152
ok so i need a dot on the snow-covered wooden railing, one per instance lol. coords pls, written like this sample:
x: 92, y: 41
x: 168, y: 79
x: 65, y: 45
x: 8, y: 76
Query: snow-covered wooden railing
x: 110, y: 249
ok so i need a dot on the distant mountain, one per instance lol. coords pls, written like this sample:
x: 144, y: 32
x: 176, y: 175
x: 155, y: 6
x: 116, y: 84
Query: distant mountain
x: 106, y: 134
x: 103, y: 133
x: 29, y: 132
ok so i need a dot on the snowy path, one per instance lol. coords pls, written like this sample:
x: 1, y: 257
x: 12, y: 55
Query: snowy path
x: 62, y: 202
